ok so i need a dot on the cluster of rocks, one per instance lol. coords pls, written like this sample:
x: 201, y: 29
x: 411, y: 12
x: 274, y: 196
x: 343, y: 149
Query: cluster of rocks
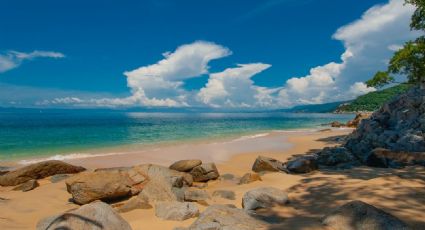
x: 354, y: 123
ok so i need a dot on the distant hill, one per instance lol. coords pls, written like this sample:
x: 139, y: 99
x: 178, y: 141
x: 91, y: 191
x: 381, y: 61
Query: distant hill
x: 316, y: 108
x: 372, y: 101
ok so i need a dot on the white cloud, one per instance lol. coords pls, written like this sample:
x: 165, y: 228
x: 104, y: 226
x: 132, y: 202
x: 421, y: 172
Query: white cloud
x: 369, y: 43
x: 12, y: 59
x: 234, y: 88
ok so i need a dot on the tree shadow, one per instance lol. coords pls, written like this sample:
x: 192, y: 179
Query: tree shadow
x: 66, y: 216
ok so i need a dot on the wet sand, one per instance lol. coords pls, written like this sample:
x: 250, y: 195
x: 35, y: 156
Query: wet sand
x: 400, y: 192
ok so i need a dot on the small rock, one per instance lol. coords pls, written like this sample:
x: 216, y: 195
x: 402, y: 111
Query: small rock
x: 38, y: 171
x: 58, y: 177
x: 262, y: 164
x: 196, y: 195
x: 263, y: 197
x: 226, y: 194
x: 205, y: 172
x: 217, y: 217
x: 357, y: 215
x: 227, y: 176
x: 336, y: 124
x: 176, y: 210
x: 302, y: 165
x: 185, y: 165
x: 94, y: 216
x: 249, y: 178
x: 27, y: 186
x: 134, y: 203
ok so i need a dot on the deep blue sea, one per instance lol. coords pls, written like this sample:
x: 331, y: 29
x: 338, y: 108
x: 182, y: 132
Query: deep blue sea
x: 26, y: 134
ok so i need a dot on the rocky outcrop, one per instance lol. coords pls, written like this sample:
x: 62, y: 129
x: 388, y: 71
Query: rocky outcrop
x: 335, y: 156
x: 225, y: 194
x: 204, y: 172
x: 356, y: 121
x: 266, y: 164
x: 398, y: 126
x: 27, y: 186
x: 185, y: 165
x: 303, y: 164
x: 176, y: 210
x: 226, y: 217
x: 249, y: 178
x: 336, y: 124
x: 104, y: 185
x: 38, y: 171
x: 95, y: 216
x: 381, y: 157
x: 264, y: 197
x: 357, y: 215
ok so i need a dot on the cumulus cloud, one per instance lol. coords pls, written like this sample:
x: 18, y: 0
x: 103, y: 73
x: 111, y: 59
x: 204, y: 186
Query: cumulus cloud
x: 12, y: 59
x: 234, y: 88
x: 369, y: 43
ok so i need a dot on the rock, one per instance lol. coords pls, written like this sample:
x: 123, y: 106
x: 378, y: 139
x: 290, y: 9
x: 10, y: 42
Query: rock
x: 172, y: 177
x: 176, y: 210
x: 27, y: 186
x: 94, y: 216
x: 334, y: 156
x: 228, y: 177
x: 226, y: 194
x: 196, y: 195
x: 336, y: 124
x: 356, y: 121
x: 38, y: 171
x: 103, y: 185
x: 205, y: 172
x: 134, y: 203
x: 185, y: 165
x: 59, y: 177
x: 262, y: 164
x: 264, y: 197
x: 302, y: 165
x: 200, y: 185
x: 381, y: 157
x: 159, y: 190
x: 3, y: 172
x: 226, y: 217
x: 249, y: 178
x: 357, y: 215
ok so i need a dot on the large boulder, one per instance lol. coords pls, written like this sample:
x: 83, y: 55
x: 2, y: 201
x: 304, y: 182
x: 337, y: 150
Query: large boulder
x: 104, y: 185
x: 357, y: 215
x: 173, y: 177
x: 38, y: 171
x: 158, y: 190
x: 185, y: 165
x: 249, y: 178
x: 263, y: 197
x: 176, y: 210
x: 204, y: 172
x: 303, y: 164
x: 226, y: 217
x: 335, y: 156
x: 133, y: 203
x: 94, y: 216
x: 266, y: 164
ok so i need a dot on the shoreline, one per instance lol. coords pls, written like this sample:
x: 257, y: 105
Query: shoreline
x: 144, y: 150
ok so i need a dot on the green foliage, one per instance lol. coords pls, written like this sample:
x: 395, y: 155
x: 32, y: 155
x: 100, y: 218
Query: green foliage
x: 374, y: 100
x: 380, y: 79
x: 418, y: 17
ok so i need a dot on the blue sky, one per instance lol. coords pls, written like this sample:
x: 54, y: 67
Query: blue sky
x: 75, y: 53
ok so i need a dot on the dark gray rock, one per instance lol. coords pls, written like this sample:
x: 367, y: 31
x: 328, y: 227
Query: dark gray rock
x: 94, y: 216
x: 303, y: 164
x: 263, y: 197
x: 334, y: 156
x: 357, y: 215
x: 266, y: 164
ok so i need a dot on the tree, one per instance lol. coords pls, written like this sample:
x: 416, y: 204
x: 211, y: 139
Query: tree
x: 380, y: 79
x: 410, y: 60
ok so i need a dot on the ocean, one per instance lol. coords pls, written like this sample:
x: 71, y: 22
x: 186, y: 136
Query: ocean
x: 33, y: 133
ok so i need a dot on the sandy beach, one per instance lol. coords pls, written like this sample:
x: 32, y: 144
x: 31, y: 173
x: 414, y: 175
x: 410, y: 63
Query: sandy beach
x: 400, y: 192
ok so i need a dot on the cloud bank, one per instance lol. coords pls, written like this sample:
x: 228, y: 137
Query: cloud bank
x: 369, y: 43
x: 12, y: 59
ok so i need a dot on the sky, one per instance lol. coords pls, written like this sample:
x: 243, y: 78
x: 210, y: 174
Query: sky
x: 240, y: 54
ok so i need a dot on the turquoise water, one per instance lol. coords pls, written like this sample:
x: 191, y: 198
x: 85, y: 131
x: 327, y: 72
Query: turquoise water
x: 34, y: 134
